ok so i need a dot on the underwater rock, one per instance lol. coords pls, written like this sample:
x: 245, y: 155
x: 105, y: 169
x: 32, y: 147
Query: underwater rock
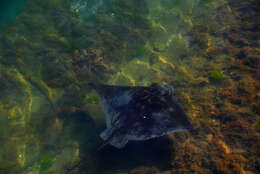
x: 164, y: 65
x: 15, y: 111
x: 15, y: 93
x: 178, y: 46
x: 159, y: 33
x: 169, y: 21
x: 141, y: 72
x: 90, y: 63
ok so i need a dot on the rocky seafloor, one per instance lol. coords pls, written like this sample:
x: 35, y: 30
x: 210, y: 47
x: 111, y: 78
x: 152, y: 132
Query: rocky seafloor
x: 208, y: 50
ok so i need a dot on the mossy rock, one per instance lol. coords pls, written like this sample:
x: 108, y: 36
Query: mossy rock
x: 141, y: 72
x: 15, y: 92
x: 178, y: 46
x: 216, y: 76
x: 121, y: 78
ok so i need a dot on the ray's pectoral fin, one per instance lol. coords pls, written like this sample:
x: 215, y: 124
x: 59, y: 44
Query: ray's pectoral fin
x: 113, y: 136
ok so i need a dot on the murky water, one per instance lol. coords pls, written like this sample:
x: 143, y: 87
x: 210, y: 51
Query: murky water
x: 9, y: 10
x: 50, y: 119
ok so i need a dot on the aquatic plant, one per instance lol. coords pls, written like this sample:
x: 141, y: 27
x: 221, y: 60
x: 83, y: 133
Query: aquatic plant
x: 46, y: 162
x: 216, y: 76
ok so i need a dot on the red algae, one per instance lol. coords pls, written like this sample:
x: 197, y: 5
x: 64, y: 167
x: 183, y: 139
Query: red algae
x: 238, y: 125
x: 187, y: 158
x: 225, y: 161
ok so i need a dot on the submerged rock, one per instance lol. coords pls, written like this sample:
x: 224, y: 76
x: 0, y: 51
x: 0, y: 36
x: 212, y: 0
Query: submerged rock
x: 15, y: 111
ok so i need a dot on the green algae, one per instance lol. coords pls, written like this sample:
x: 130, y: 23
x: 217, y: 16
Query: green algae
x: 92, y: 99
x: 142, y: 52
x: 46, y: 162
x: 216, y: 76
x: 2, y: 166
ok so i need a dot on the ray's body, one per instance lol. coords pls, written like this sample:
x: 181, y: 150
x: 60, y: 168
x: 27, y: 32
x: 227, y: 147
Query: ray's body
x: 140, y: 113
